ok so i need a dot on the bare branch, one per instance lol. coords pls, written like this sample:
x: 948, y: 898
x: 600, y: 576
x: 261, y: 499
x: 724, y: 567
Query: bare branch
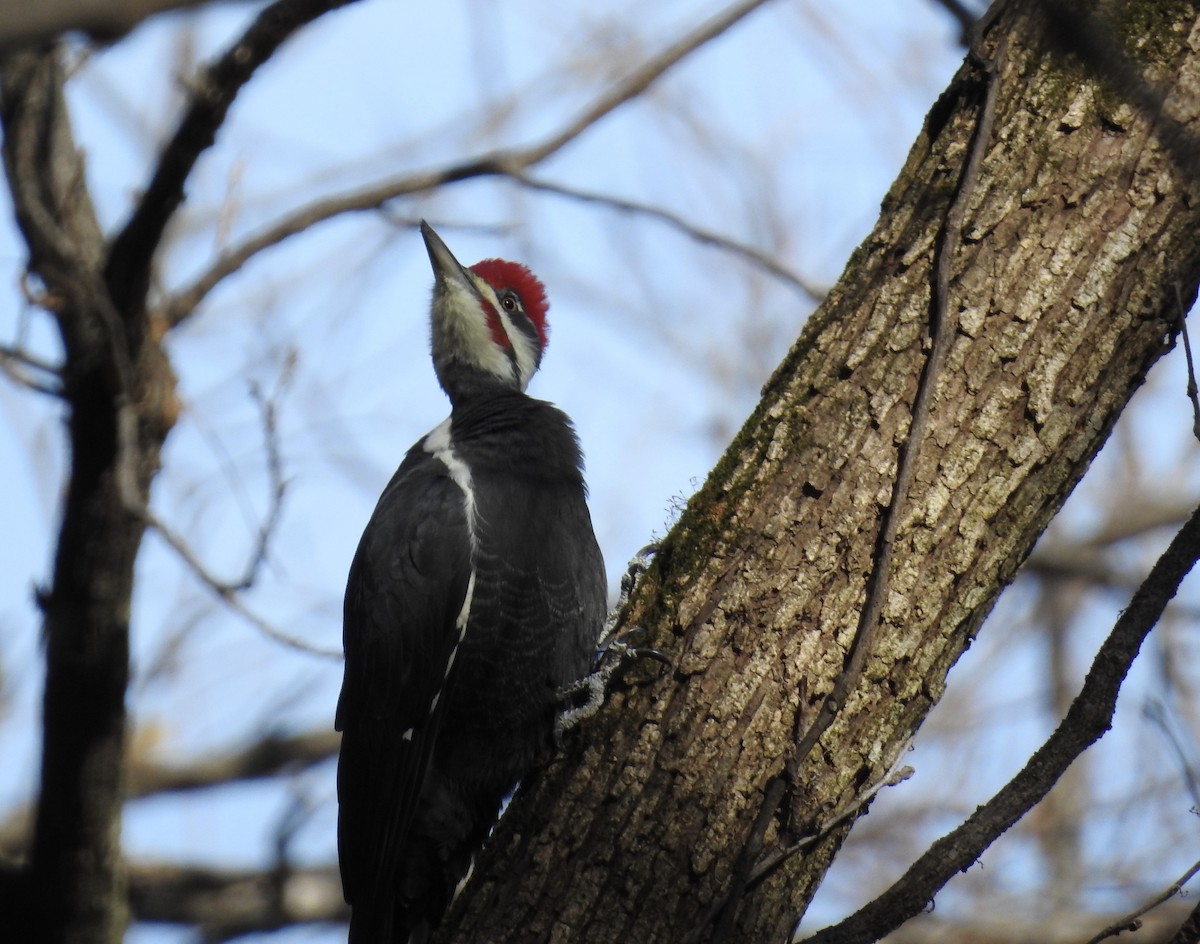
x: 962, y: 15
x: 128, y: 270
x: 54, y: 211
x: 75, y: 861
x: 705, y: 237
x: 1137, y: 514
x: 512, y: 163
x: 1193, y: 392
x: 896, y: 774
x: 1132, y: 921
x: 268, y: 757
x: 642, y: 78
x: 226, y: 903
x: 1089, y: 716
x: 19, y: 365
x: 227, y: 592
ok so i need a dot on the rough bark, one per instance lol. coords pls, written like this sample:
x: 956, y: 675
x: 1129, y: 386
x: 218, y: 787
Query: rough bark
x: 1077, y: 252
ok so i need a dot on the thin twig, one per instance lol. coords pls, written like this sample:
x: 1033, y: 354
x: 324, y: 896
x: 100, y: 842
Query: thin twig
x: 1132, y: 921
x: 268, y: 408
x: 1156, y: 713
x: 1086, y: 721
x: 17, y: 364
x: 505, y: 162
x: 127, y: 273
x: 643, y: 77
x: 698, y: 234
x: 1192, y: 391
x: 896, y: 774
x: 227, y: 592
x: 278, y: 635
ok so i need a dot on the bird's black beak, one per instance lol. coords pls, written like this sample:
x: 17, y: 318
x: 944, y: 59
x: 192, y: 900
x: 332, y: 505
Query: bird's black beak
x: 446, y: 268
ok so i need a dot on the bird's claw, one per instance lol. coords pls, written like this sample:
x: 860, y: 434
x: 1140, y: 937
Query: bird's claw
x: 582, y: 698
x: 629, y: 581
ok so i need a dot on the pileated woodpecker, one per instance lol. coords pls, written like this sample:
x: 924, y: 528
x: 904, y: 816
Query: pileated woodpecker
x: 475, y: 598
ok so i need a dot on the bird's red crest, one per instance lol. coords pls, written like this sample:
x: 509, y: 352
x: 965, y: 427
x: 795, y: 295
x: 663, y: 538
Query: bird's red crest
x: 501, y: 274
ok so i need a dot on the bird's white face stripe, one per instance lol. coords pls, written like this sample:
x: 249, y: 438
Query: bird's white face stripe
x: 464, y: 328
x: 523, y: 346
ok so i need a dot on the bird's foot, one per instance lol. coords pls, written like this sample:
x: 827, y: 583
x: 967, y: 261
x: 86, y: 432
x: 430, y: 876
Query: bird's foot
x: 615, y: 653
x: 629, y: 581
x: 582, y: 698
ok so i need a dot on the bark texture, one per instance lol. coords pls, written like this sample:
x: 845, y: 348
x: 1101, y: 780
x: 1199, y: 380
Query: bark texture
x: 1077, y: 252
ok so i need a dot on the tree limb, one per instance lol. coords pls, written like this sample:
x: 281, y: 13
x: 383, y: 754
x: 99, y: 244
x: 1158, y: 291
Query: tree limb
x: 127, y: 272
x: 1132, y: 921
x: 698, y: 234
x: 269, y: 756
x: 21, y: 368
x: 1087, y: 720
x: 509, y: 162
x: 227, y: 903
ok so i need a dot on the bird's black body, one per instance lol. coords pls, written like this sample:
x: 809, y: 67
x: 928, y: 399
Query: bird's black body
x: 476, y: 594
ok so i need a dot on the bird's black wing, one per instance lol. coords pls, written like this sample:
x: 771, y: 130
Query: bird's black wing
x: 404, y: 595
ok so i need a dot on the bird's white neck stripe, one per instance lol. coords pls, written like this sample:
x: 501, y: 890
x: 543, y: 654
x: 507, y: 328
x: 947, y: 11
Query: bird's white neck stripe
x: 438, y: 445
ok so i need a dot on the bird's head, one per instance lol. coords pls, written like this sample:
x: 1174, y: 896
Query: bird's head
x: 488, y: 320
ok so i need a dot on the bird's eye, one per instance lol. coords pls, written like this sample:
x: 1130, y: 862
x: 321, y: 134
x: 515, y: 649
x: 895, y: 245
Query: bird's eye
x: 509, y: 302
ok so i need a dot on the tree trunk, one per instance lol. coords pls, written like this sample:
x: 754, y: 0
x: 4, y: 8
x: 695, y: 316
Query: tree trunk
x: 1077, y: 253
x: 119, y: 393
